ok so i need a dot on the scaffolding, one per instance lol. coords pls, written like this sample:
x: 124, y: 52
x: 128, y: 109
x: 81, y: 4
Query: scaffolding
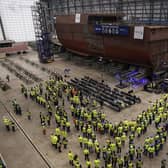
x: 142, y: 12
x: 43, y: 36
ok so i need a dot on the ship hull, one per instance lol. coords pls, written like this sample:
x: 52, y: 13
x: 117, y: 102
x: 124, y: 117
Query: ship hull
x: 82, y: 39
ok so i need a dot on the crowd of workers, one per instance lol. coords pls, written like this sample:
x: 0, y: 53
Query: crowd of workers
x: 88, y: 120
x: 111, y: 152
x: 53, y: 91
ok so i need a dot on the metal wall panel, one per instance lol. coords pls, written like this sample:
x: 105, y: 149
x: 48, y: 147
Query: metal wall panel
x: 1, y: 36
x: 17, y: 19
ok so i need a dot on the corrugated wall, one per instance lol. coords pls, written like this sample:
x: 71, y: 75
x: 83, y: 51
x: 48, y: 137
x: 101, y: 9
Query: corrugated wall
x: 17, y: 19
x: 1, y: 36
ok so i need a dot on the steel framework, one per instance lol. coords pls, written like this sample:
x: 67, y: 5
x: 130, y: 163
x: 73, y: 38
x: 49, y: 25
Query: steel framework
x: 146, y: 12
x: 41, y: 16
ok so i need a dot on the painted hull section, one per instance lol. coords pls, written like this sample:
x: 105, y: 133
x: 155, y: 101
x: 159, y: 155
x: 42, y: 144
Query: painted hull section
x: 80, y: 38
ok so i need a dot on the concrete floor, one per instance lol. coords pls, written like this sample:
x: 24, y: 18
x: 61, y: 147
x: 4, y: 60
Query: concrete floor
x: 18, y: 152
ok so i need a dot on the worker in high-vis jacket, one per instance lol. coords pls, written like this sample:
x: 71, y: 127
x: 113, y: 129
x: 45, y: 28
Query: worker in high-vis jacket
x: 88, y: 163
x: 54, y: 140
x: 6, y: 122
x: 97, y: 163
x: 70, y: 157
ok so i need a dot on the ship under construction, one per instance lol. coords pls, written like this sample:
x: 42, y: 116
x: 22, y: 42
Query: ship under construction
x: 133, y: 32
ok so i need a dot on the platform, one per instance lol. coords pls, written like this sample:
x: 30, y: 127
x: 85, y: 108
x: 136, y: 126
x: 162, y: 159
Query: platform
x: 16, y: 148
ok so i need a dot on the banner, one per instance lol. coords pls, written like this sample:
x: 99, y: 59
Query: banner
x: 112, y: 30
x: 77, y: 18
x: 139, y: 32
